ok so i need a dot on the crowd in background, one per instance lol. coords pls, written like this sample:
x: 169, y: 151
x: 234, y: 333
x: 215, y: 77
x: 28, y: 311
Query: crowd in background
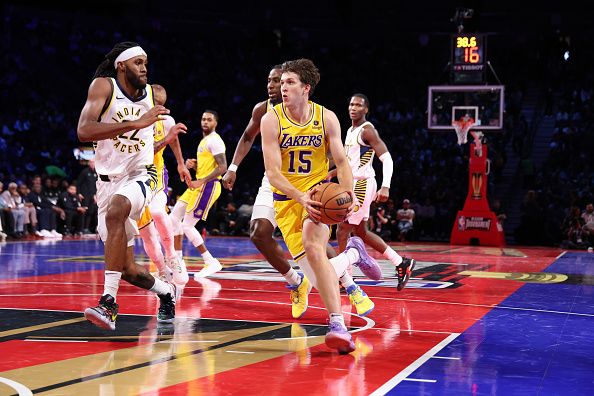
x: 226, y: 69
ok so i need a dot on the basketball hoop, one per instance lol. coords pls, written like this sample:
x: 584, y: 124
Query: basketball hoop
x: 462, y: 126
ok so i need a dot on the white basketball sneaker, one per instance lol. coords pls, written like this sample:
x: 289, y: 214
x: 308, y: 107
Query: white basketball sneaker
x: 210, y: 268
x: 178, y: 266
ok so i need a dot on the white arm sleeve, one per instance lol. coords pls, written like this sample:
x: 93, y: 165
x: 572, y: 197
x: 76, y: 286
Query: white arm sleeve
x: 387, y: 168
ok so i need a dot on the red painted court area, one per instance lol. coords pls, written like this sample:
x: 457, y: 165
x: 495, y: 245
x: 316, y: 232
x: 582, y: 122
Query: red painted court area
x: 234, y: 333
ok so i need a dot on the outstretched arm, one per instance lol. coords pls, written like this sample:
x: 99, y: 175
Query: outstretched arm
x: 371, y: 137
x: 90, y: 129
x: 184, y: 174
x: 245, y: 144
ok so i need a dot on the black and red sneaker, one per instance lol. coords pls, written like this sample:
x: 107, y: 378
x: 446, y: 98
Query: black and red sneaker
x: 403, y: 272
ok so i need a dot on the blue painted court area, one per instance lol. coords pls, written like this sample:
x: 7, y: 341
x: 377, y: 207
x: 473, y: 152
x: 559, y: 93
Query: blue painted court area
x: 539, y: 341
x: 26, y: 259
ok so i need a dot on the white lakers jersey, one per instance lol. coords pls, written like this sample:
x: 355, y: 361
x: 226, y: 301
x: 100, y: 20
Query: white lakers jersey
x: 359, y: 154
x: 132, y: 150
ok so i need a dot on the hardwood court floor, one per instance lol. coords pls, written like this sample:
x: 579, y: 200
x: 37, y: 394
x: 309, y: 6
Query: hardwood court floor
x: 473, y: 320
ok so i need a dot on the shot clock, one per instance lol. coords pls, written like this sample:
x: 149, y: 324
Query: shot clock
x: 468, y: 58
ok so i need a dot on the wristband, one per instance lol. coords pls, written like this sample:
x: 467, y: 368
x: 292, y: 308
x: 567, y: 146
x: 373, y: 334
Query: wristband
x: 232, y: 168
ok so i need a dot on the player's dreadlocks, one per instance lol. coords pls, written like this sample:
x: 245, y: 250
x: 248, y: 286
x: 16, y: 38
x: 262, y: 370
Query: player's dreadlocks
x: 106, y: 69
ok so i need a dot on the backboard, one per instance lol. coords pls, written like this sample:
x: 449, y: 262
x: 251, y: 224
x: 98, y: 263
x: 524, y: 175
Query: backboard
x: 484, y: 103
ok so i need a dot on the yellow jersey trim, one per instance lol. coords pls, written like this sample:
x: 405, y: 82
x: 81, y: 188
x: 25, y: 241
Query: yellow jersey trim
x: 313, y: 112
x: 151, y: 96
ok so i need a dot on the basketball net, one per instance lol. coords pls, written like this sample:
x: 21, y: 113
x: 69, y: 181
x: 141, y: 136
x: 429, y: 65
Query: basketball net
x: 462, y: 126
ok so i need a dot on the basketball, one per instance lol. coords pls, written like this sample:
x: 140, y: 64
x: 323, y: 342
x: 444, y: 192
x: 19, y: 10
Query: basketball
x: 335, y: 202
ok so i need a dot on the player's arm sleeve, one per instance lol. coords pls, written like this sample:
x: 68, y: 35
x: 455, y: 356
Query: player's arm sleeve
x: 387, y: 168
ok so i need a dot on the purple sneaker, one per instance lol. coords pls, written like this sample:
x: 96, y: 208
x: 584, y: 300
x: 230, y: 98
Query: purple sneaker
x: 366, y: 263
x: 339, y: 339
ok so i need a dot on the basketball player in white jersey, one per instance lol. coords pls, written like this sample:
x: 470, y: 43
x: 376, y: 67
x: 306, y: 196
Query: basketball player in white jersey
x: 118, y: 115
x: 155, y: 226
x: 361, y: 144
x: 263, y: 223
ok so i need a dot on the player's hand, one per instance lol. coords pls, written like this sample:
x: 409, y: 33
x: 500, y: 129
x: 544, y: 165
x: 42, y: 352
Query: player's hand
x: 191, y: 163
x: 150, y: 117
x: 196, y: 183
x: 184, y: 174
x: 174, y: 131
x: 311, y: 206
x: 382, y: 194
x: 229, y: 179
x: 177, y: 129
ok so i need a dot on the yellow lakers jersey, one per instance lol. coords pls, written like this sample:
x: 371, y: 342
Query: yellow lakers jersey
x: 206, y: 162
x: 303, y: 148
x: 158, y: 161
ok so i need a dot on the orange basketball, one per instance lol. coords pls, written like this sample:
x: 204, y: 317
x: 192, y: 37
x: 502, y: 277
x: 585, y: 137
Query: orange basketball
x: 335, y: 202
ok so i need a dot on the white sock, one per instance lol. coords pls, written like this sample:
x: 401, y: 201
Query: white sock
x: 179, y: 253
x: 391, y: 255
x: 340, y: 263
x: 307, y: 271
x: 207, y: 257
x: 343, y: 260
x: 353, y: 255
x: 293, y: 277
x: 337, y: 318
x: 161, y: 288
x: 112, y: 283
x: 346, y: 280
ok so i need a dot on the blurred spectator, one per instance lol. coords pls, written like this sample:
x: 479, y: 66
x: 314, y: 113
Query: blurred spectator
x: 588, y: 229
x: 529, y: 232
x: 30, y: 211
x: 499, y: 212
x: 47, y: 213
x: 6, y: 220
x: 86, y: 184
x: 72, y: 206
x: 425, y: 219
x: 381, y: 223
x: 14, y: 203
x: 405, y: 217
x: 572, y: 229
x: 244, y: 215
x: 229, y: 224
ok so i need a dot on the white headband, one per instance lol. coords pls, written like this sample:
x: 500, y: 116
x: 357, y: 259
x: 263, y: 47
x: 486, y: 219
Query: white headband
x: 128, y: 54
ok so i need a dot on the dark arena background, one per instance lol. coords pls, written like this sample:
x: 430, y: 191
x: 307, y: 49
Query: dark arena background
x: 501, y: 299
